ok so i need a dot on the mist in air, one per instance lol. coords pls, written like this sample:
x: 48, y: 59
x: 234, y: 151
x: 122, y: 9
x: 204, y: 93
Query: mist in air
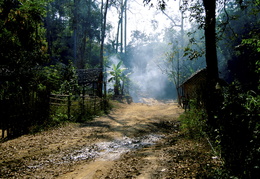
x: 147, y: 79
x: 149, y: 39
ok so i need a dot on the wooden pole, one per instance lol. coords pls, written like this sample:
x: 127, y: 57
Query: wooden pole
x: 69, y: 105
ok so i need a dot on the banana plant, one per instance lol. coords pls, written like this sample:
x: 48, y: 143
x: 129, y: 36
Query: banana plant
x: 125, y: 82
x: 117, y: 76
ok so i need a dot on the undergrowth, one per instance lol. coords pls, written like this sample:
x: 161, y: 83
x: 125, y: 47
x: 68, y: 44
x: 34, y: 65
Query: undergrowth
x: 78, y: 114
x: 193, y: 122
x: 236, y: 134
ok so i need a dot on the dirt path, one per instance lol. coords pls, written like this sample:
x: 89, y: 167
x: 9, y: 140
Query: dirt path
x: 133, y: 141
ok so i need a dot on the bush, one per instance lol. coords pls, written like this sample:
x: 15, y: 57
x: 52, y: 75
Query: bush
x: 236, y: 131
x: 61, y: 78
x: 193, y: 122
x: 238, y: 128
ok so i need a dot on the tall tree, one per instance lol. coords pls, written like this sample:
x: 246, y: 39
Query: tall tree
x: 210, y: 35
x: 210, y: 39
x: 121, y: 7
x: 176, y: 76
x: 212, y: 99
x: 104, y: 8
x: 211, y: 53
x: 125, y: 12
x: 73, y: 29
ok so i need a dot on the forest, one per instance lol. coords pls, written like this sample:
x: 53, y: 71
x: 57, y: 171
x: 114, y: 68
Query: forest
x: 64, y: 60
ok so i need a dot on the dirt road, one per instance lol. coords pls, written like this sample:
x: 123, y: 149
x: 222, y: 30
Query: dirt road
x: 133, y: 141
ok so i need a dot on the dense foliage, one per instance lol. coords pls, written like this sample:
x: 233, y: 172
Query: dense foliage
x: 235, y: 128
x: 73, y: 32
x: 238, y: 131
x: 23, y: 52
x: 238, y: 121
x: 38, y: 40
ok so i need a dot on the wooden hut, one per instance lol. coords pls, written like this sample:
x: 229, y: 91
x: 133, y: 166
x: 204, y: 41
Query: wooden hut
x: 193, y: 88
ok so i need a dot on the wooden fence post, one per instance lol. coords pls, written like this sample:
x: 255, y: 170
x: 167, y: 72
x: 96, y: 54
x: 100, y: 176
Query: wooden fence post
x: 95, y: 104
x: 69, y: 105
x: 83, y: 102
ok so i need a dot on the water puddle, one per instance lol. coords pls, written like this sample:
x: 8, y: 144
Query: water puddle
x: 114, y: 149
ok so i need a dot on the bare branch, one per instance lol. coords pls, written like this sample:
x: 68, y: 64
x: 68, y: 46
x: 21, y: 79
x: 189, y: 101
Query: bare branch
x: 173, y: 21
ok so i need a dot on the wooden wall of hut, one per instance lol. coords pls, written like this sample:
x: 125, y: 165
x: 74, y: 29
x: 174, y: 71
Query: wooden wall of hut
x: 194, y: 89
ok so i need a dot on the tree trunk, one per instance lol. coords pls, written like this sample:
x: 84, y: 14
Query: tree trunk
x: 49, y: 29
x: 122, y: 13
x: 103, y: 29
x: 125, y: 24
x: 117, y: 34
x: 75, y: 32
x: 82, y: 50
x: 179, y: 53
x: 210, y: 39
x: 212, y: 99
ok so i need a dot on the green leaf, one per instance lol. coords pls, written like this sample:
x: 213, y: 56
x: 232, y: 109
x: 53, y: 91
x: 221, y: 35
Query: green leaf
x: 119, y: 64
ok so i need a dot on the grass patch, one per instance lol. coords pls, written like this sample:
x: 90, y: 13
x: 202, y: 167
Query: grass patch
x: 193, y: 123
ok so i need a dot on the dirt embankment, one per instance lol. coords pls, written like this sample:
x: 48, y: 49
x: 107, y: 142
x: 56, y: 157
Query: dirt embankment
x: 133, y: 141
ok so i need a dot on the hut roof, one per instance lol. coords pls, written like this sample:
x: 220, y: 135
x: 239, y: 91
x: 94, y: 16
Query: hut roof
x: 196, y: 77
x: 89, y: 75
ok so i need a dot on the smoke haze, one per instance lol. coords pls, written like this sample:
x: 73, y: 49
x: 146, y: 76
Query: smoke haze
x: 148, y: 81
